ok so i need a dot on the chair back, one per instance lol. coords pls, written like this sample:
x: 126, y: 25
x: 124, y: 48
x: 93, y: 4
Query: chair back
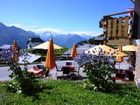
x: 65, y: 70
x: 68, y: 63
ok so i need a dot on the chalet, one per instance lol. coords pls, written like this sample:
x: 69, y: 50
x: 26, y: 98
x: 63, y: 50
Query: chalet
x: 123, y: 28
x: 98, y: 40
x: 32, y: 42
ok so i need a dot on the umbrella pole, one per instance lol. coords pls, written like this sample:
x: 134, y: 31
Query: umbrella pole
x: 41, y: 55
x: 119, y: 68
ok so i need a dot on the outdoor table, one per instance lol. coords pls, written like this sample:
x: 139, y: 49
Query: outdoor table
x: 68, y: 69
x: 125, y: 74
x: 38, y: 72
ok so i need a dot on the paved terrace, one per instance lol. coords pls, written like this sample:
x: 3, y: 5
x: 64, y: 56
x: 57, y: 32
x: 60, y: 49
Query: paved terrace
x: 4, y: 71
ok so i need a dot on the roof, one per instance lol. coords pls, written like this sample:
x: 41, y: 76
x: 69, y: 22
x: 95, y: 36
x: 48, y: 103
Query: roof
x: 5, y: 46
x: 81, y: 49
x: 36, y: 40
x: 99, y: 38
x: 30, y: 58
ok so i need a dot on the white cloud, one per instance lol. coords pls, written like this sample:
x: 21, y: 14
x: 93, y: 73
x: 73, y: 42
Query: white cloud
x: 86, y: 33
x: 38, y: 30
x: 41, y: 30
x: 17, y: 25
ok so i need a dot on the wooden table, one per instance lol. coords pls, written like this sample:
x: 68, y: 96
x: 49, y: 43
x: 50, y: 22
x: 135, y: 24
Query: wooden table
x: 68, y: 69
x: 125, y: 74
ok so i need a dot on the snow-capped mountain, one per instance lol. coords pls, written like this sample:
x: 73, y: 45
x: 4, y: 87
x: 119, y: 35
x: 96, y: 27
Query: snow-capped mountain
x: 65, y: 40
x: 10, y: 33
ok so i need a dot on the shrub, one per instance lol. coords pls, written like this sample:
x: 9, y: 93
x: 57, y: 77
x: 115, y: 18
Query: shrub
x: 22, y: 80
x: 99, y: 74
x: 99, y: 71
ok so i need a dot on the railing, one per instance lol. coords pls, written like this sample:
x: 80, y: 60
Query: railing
x: 117, y: 27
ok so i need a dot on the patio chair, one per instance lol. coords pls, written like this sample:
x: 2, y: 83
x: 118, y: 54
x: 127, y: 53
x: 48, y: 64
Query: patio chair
x: 65, y: 70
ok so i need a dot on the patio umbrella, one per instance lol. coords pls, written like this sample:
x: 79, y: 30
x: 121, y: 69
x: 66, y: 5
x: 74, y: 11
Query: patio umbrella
x: 74, y: 51
x: 119, y: 52
x: 50, y: 58
x: 102, y: 50
x: 45, y: 46
x: 132, y: 56
x: 119, y: 57
x: 15, y: 52
x: 129, y: 48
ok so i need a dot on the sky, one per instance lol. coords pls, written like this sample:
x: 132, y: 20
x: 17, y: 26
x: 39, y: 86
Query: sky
x: 68, y: 16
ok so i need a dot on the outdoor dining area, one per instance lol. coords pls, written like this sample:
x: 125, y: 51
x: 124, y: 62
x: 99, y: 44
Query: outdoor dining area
x: 124, y: 63
x: 121, y: 58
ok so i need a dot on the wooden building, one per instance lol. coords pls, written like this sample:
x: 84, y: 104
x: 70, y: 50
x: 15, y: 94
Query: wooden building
x: 118, y: 28
x: 122, y: 28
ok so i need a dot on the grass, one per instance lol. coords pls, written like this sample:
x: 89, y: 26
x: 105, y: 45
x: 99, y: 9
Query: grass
x: 71, y: 93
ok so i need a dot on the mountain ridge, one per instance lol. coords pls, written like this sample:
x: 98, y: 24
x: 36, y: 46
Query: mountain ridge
x: 65, y: 40
x: 10, y: 33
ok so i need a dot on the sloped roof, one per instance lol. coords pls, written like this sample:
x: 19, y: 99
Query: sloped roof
x: 30, y: 58
x: 5, y: 46
x: 99, y: 38
x: 36, y: 40
x: 80, y: 49
x: 45, y: 46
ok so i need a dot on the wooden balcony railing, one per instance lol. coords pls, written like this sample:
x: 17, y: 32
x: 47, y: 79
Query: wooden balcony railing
x: 118, y: 28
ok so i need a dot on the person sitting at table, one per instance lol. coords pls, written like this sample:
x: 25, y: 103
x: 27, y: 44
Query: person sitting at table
x: 36, y: 71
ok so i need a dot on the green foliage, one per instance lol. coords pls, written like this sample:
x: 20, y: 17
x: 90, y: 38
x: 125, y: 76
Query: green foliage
x: 99, y: 75
x: 22, y: 80
x: 60, y: 51
x: 71, y: 93
x: 88, y: 85
x: 99, y: 71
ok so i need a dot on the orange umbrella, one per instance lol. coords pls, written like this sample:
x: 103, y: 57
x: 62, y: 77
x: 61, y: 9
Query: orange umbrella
x: 74, y: 51
x: 15, y: 52
x: 50, y: 58
x: 119, y: 58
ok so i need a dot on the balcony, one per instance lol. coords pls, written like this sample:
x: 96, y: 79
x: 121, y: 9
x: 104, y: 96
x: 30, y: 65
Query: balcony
x: 117, y: 28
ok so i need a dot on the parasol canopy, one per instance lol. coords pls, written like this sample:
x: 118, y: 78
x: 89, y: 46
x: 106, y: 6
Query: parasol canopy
x: 45, y: 46
x: 50, y: 57
x: 74, y: 51
x: 130, y: 48
x: 103, y: 50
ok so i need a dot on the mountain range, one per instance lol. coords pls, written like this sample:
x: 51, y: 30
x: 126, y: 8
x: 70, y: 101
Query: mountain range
x: 65, y: 40
x: 10, y: 33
